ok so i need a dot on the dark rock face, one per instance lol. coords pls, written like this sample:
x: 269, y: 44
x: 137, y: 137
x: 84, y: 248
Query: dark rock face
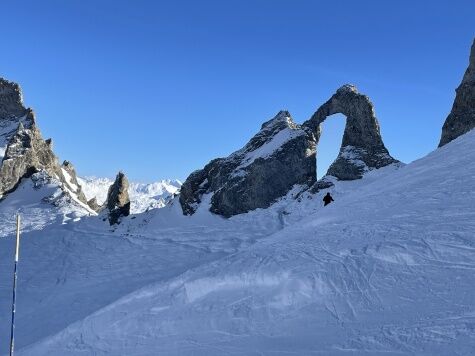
x: 462, y: 116
x: 23, y: 150
x: 118, y: 202
x: 362, y: 147
x: 12, y: 112
x: 279, y: 156
x: 11, y: 103
x: 27, y: 153
x: 282, y: 155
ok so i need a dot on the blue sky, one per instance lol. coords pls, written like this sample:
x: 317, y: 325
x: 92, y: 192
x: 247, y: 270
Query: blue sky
x: 159, y: 88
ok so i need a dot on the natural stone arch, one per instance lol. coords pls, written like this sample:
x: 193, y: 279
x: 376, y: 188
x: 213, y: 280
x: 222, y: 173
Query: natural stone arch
x: 362, y: 147
x: 282, y: 156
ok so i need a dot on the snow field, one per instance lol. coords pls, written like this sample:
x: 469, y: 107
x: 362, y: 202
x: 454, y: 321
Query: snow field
x: 386, y: 269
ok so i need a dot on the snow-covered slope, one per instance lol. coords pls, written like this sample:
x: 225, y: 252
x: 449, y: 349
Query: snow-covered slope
x: 41, y: 202
x: 142, y: 196
x: 386, y: 269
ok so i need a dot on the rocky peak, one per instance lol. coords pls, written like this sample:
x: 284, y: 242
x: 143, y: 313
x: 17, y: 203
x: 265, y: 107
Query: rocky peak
x: 118, y: 202
x: 276, y: 158
x: 461, y: 118
x: 281, y: 120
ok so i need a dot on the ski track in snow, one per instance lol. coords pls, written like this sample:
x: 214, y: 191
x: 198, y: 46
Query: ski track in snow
x: 388, y: 269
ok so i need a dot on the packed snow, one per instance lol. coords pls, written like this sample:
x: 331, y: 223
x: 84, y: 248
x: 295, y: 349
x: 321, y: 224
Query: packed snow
x: 387, y: 269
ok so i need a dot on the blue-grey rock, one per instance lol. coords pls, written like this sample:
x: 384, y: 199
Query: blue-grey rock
x: 462, y: 116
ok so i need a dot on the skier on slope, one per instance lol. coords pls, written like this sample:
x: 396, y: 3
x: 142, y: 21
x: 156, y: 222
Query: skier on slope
x: 327, y: 199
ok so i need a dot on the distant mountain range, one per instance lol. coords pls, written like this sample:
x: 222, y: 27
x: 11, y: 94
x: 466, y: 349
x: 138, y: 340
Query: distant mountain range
x: 143, y: 196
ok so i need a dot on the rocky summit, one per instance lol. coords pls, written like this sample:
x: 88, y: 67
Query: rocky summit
x: 462, y: 116
x: 283, y: 154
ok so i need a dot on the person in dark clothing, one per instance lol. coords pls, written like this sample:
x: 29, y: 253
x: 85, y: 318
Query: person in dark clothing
x: 327, y: 199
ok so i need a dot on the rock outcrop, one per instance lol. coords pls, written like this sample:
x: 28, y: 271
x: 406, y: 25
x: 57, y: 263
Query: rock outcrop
x: 276, y: 158
x: 118, y: 202
x: 23, y: 149
x: 462, y: 116
x: 362, y: 147
x: 11, y: 101
x: 12, y: 112
x: 27, y: 153
x: 70, y: 176
x: 94, y: 205
x: 283, y: 154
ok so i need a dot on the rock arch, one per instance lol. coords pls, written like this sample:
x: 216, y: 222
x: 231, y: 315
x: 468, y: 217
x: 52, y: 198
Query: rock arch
x: 362, y: 147
x: 282, y: 156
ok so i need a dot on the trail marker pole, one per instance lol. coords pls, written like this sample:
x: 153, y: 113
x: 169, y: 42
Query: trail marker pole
x: 17, y: 249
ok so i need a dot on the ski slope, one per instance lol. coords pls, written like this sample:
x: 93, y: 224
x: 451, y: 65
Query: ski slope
x: 388, y: 269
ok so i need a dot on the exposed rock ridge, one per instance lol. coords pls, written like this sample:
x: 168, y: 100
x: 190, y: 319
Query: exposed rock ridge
x: 275, y: 159
x: 118, y: 201
x: 362, y: 147
x: 282, y: 155
x: 23, y: 149
x: 69, y: 173
x: 462, y: 116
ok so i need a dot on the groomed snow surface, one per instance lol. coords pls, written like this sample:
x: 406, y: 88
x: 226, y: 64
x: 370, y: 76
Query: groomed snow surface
x: 387, y: 269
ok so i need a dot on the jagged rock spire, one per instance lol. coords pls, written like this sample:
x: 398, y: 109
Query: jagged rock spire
x: 118, y: 202
x: 462, y: 116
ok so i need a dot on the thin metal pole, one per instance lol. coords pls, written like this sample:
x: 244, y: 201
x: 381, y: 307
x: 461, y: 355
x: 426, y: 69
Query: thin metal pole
x: 17, y: 249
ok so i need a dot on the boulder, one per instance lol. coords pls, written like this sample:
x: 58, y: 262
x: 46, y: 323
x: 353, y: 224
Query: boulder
x: 462, y: 116
x: 92, y: 203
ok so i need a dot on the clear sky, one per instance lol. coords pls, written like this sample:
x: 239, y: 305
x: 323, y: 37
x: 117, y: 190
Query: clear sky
x: 159, y: 88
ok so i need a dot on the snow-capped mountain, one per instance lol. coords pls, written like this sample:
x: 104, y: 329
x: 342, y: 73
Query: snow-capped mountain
x: 143, y: 196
